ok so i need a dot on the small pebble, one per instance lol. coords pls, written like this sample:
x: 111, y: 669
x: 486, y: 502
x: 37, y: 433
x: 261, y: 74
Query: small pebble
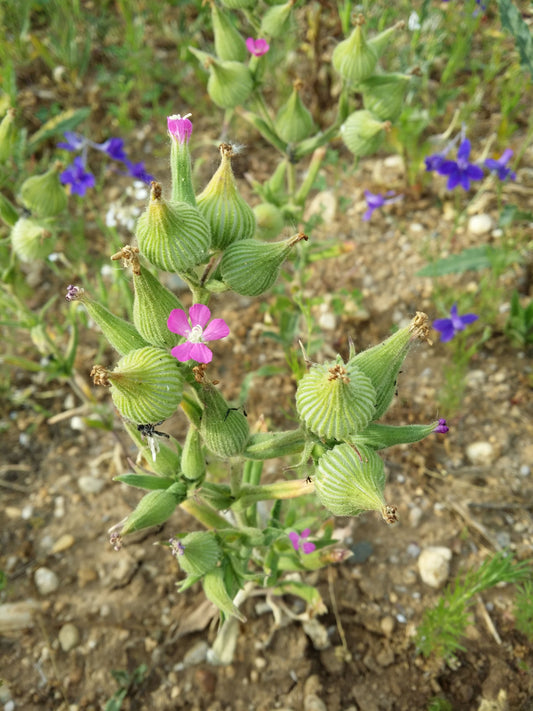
x: 415, y: 514
x: 480, y: 224
x: 46, y: 581
x: 387, y: 624
x: 525, y: 470
x: 317, y: 633
x: 59, y: 507
x: 63, y: 543
x: 90, y: 485
x: 481, y: 453
x: 434, y: 565
x: 69, y: 637
x: 314, y: 703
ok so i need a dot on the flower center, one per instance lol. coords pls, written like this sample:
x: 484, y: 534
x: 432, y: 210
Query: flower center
x: 195, y: 336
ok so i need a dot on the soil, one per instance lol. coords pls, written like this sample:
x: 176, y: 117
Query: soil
x: 360, y: 654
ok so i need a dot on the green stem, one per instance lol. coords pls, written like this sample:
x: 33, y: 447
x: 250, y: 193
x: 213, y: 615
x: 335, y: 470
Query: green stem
x: 279, y: 490
x: 205, y: 514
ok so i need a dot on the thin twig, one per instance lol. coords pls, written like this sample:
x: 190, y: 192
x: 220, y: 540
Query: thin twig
x: 488, y: 620
x: 347, y: 654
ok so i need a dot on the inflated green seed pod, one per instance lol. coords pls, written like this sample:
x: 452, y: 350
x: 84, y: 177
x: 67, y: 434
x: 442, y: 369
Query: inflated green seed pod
x: 229, y: 44
x: 146, y: 385
x: 152, y: 304
x: 380, y: 42
x: 172, y: 236
x: 155, y: 508
x: 201, y: 553
x: 120, y: 334
x: 192, y: 456
x: 363, y: 133
x: 167, y: 460
x: 229, y: 216
x: 335, y: 400
x: 383, y: 436
x: 216, y: 591
x: 224, y: 429
x: 275, y: 188
x: 382, y: 363
x: 31, y: 239
x: 384, y: 95
x: 351, y: 480
x: 8, y: 135
x: 250, y: 267
x: 268, y: 221
x: 8, y: 212
x: 294, y: 121
x: 43, y: 194
x: 229, y: 83
x: 276, y: 21
x: 354, y: 58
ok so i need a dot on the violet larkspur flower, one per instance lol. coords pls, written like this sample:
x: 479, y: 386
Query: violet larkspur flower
x: 257, y: 47
x: 138, y: 171
x: 448, y: 327
x: 77, y: 177
x: 74, y: 142
x: 299, y: 543
x: 460, y: 171
x: 196, y: 330
x: 114, y: 148
x: 442, y: 427
x: 179, y: 127
x: 376, y: 201
x: 499, y: 166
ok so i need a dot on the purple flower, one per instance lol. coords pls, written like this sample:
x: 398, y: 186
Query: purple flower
x: 442, y: 427
x: 138, y: 171
x: 74, y: 142
x: 376, y: 201
x: 74, y: 292
x: 460, y: 171
x: 176, y: 547
x: 114, y: 147
x: 257, y: 47
x: 196, y: 331
x: 179, y: 127
x: 500, y: 165
x: 299, y: 543
x: 77, y: 177
x: 448, y: 327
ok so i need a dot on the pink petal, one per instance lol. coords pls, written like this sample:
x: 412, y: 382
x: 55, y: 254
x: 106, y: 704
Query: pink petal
x: 200, y: 353
x: 177, y: 322
x: 182, y: 352
x: 306, y: 533
x: 308, y: 547
x: 199, y: 315
x: 294, y: 537
x: 218, y: 328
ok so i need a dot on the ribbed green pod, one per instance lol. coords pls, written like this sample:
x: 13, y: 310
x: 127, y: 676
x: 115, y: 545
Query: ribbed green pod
x: 146, y: 385
x: 155, y: 508
x: 335, y: 400
x: 381, y: 41
x: 229, y: 43
x: 382, y: 436
x: 250, y: 267
x: 192, y: 456
x: 363, y: 133
x: 276, y: 20
x: 201, y: 553
x: 216, y: 591
x: 31, y: 239
x: 167, y: 461
x: 229, y: 216
x: 294, y: 121
x: 268, y: 221
x: 224, y: 430
x: 229, y: 83
x: 172, y: 236
x: 43, y: 194
x: 349, y: 481
x: 384, y: 95
x: 152, y: 304
x: 354, y: 58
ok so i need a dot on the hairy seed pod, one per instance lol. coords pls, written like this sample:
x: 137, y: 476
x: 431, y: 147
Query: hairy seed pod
x: 276, y: 21
x: 31, y: 239
x: 43, y: 194
x: 384, y: 95
x: 224, y: 429
x: 152, y: 304
x: 294, y: 121
x: 229, y: 84
x: 229, y: 216
x: 215, y: 590
x: 155, y: 508
x: 380, y: 42
x: 192, y: 456
x: 269, y: 221
x: 229, y: 43
x: 201, y: 553
x: 363, y: 133
x: 335, y: 400
x: 354, y: 58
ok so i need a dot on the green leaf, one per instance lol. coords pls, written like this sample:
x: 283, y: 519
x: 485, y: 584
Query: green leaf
x: 474, y: 258
x: 145, y: 481
x: 512, y: 21
x: 65, y: 121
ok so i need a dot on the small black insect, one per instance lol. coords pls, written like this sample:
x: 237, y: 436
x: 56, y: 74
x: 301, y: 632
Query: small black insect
x: 150, y: 430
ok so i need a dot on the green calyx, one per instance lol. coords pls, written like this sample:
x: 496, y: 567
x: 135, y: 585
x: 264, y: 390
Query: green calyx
x: 155, y: 508
x: 192, y: 456
x: 31, y: 239
x: 354, y: 58
x: 294, y: 121
x: 383, y: 436
x: 363, y: 133
x: 276, y: 20
x: 229, y: 44
x: 268, y: 221
x: 172, y: 236
x: 250, y: 267
x: 335, y: 400
x: 230, y: 218
x: 224, y: 429
x: 384, y: 95
x: 201, y: 553
x: 43, y: 194
x: 229, y: 84
x: 181, y: 172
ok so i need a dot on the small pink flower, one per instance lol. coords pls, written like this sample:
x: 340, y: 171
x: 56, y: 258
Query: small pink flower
x: 299, y: 543
x: 257, y: 47
x: 179, y: 127
x: 196, y: 331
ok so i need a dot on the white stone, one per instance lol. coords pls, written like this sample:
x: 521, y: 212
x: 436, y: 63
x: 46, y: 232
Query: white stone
x: 46, y: 580
x: 324, y: 204
x: 480, y: 224
x: 434, y: 565
x: 90, y: 484
x: 69, y: 637
x: 480, y: 453
x: 475, y: 378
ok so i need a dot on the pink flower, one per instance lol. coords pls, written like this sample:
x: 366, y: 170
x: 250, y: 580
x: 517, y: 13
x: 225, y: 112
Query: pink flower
x: 179, y: 127
x: 299, y: 543
x: 257, y: 47
x: 196, y: 331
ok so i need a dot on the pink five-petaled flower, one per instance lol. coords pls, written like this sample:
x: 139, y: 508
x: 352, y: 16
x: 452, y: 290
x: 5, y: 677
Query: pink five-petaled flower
x: 196, y: 331
x: 299, y: 543
x: 257, y: 47
x: 179, y: 127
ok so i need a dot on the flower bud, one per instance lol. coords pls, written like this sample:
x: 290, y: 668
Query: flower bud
x: 155, y: 508
x: 172, y: 236
x: 382, y: 363
x: 335, y: 400
x: 294, y: 121
x: 229, y: 44
x: 350, y: 481
x: 384, y: 95
x: 192, y: 456
x: 31, y: 239
x: 224, y: 429
x: 180, y: 129
x: 363, y: 133
x: 250, y: 267
x: 268, y: 221
x: 120, y: 334
x: 201, y: 553
x: 216, y: 591
x: 8, y: 135
x: 146, y: 385
x: 230, y: 218
x: 43, y: 194
x: 354, y: 58
x: 276, y: 20
x: 382, y: 436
